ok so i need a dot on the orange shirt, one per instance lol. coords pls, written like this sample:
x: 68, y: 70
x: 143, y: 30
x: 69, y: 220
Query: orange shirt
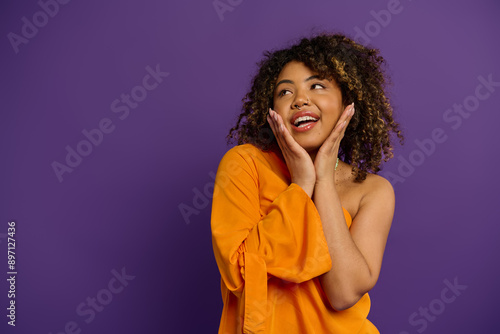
x: 270, y: 248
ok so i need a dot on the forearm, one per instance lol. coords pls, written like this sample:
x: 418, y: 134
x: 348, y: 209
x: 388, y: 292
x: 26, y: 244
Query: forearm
x: 350, y: 275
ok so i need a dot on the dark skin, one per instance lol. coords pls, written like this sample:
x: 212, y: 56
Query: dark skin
x: 357, y: 252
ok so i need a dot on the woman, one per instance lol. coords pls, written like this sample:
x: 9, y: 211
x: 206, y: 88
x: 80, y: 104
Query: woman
x: 299, y: 217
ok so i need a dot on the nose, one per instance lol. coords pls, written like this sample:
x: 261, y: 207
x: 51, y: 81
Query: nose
x: 300, y: 100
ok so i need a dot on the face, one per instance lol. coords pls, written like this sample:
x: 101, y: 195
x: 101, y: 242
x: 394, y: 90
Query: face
x: 310, y: 107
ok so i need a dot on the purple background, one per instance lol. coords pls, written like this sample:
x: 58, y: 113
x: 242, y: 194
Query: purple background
x: 120, y: 207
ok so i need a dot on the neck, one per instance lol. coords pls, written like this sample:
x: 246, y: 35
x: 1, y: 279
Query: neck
x: 277, y: 150
x: 312, y: 154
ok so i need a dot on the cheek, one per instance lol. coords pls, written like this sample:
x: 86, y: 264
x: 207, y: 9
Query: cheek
x: 277, y: 105
x: 280, y: 110
x: 329, y: 123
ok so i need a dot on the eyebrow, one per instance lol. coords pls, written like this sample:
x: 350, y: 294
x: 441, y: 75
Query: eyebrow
x: 312, y: 77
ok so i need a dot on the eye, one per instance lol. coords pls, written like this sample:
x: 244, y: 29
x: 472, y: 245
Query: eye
x: 283, y: 92
x: 313, y: 86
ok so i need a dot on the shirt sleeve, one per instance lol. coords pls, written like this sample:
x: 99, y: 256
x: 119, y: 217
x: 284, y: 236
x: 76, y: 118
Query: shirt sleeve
x: 287, y: 242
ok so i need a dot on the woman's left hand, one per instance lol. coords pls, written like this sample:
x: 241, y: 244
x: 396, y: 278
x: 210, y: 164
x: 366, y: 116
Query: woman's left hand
x: 326, y: 158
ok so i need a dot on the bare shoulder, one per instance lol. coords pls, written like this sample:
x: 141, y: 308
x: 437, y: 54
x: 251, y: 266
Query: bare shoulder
x: 378, y: 186
x: 374, y: 190
x: 378, y: 196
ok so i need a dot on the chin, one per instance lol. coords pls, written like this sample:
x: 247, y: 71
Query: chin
x: 310, y: 141
x: 310, y: 146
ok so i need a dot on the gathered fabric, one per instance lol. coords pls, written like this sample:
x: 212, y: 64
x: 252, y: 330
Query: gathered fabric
x: 270, y: 248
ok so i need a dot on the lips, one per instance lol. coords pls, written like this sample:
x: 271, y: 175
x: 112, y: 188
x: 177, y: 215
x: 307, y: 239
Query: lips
x: 304, y: 120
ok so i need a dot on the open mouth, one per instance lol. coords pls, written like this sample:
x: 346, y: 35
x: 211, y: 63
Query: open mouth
x: 304, y: 120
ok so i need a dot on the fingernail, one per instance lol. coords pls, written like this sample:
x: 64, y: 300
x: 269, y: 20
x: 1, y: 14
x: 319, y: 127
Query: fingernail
x: 282, y: 128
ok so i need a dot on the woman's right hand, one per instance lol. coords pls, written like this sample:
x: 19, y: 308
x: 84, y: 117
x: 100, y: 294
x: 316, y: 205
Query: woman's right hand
x: 298, y: 161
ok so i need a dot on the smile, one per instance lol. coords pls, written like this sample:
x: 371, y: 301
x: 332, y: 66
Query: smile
x: 304, y: 121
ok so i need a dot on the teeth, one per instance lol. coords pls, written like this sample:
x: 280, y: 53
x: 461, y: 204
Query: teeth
x: 304, y: 118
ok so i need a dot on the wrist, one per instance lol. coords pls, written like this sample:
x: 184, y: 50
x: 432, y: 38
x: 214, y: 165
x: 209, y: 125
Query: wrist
x: 325, y: 186
x: 325, y: 181
x: 308, y: 188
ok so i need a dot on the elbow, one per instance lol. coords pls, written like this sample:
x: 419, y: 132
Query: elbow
x: 344, y: 297
x: 345, y: 301
x: 341, y: 304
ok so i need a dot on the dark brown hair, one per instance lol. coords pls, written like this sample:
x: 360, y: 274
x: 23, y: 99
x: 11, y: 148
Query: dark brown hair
x: 358, y: 71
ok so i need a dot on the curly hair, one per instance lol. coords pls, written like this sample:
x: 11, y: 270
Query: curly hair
x: 359, y: 73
